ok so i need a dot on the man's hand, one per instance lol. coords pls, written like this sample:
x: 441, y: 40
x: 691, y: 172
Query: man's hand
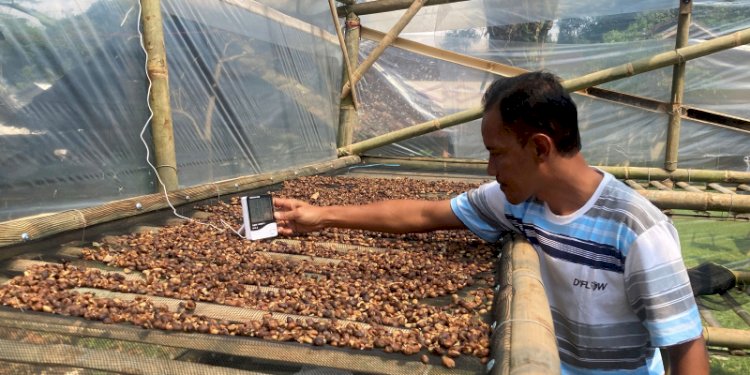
x: 294, y: 216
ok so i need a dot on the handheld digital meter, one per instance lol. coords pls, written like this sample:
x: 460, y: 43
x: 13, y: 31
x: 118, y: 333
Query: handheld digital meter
x: 257, y: 214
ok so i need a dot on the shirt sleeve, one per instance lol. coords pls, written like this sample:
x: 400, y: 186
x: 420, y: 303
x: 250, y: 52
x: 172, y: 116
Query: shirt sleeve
x: 482, y: 210
x: 658, y: 287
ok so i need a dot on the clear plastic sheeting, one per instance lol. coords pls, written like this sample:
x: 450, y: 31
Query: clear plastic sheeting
x: 478, y: 13
x: 571, y: 39
x: 72, y: 104
x: 252, y: 90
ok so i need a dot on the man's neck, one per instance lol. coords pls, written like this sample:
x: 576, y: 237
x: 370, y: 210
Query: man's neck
x: 571, y: 183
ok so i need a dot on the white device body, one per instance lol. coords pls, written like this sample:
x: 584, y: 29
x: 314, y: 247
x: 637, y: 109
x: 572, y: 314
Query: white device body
x: 257, y: 215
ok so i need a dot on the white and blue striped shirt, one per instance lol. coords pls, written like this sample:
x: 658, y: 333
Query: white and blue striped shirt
x: 613, y: 272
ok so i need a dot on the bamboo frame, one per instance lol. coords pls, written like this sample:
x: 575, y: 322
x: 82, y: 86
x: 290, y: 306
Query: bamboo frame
x: 678, y: 87
x: 381, y: 6
x: 726, y: 337
x: 696, y: 114
x: 380, y: 48
x: 161, y: 122
x: 622, y: 173
x: 574, y: 84
x: 104, y: 360
x: 231, y: 345
x: 445, y: 55
x: 533, y: 345
x: 348, y: 115
x: 283, y: 19
x: 41, y: 226
x: 659, y: 60
x: 344, y: 50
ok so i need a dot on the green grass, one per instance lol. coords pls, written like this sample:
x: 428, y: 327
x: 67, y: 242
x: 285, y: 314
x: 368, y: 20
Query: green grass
x: 721, y: 240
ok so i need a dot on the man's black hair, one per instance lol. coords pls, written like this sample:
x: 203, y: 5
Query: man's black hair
x: 536, y: 102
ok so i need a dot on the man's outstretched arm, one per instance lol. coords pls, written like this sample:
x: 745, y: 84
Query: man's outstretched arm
x: 393, y: 216
x: 689, y: 358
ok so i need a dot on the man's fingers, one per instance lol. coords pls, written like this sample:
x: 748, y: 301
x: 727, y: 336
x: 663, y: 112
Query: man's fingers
x: 282, y: 203
x: 283, y: 215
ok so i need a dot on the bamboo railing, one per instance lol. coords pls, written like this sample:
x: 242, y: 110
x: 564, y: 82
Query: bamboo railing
x: 41, y: 226
x: 523, y: 337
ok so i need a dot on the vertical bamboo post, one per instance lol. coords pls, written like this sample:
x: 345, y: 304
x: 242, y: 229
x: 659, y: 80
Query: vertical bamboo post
x: 380, y: 48
x: 678, y: 86
x: 161, y: 122
x: 348, y: 116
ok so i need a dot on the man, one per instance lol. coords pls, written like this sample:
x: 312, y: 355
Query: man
x: 610, y: 260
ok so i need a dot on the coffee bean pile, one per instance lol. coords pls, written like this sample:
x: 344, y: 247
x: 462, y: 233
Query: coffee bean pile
x: 405, y: 293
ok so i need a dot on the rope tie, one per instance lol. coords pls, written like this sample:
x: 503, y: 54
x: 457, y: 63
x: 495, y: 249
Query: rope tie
x: 166, y: 166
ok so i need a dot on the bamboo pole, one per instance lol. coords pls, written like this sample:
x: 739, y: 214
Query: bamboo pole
x: 41, y: 226
x: 698, y: 201
x: 348, y: 115
x: 634, y: 185
x: 344, y: 47
x: 660, y: 60
x: 726, y: 337
x: 688, y: 187
x: 380, y: 48
x: 410, y: 132
x: 659, y: 185
x: 688, y: 175
x: 501, y: 312
x: 158, y: 97
x: 622, y: 173
x: 533, y: 345
x: 381, y: 6
x: 492, y: 67
x: 678, y: 87
x: 445, y: 55
x: 720, y: 189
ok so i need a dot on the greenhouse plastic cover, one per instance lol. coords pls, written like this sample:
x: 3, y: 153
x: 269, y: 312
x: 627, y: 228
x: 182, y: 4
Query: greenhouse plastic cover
x: 254, y: 87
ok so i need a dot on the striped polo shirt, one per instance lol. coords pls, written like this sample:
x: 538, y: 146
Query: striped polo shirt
x: 612, y: 270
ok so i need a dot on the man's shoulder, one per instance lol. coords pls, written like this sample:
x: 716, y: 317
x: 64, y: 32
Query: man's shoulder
x: 619, y: 201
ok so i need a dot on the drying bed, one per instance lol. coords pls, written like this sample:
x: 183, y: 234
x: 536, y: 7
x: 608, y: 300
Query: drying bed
x: 355, y: 301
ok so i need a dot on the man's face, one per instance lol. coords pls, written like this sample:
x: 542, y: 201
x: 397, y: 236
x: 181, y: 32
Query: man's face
x: 513, y: 165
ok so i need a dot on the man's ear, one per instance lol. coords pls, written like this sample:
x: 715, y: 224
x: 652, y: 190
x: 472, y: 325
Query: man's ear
x: 543, y: 146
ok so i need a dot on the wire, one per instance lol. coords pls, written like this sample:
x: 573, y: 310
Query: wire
x: 148, y: 152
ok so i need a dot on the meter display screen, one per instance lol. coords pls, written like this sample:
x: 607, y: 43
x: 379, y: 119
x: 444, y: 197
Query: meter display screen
x: 261, y: 209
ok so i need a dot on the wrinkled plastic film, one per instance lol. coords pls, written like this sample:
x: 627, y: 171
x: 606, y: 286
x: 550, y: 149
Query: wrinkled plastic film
x: 72, y: 103
x: 249, y: 94
x: 570, y: 44
x: 252, y: 90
